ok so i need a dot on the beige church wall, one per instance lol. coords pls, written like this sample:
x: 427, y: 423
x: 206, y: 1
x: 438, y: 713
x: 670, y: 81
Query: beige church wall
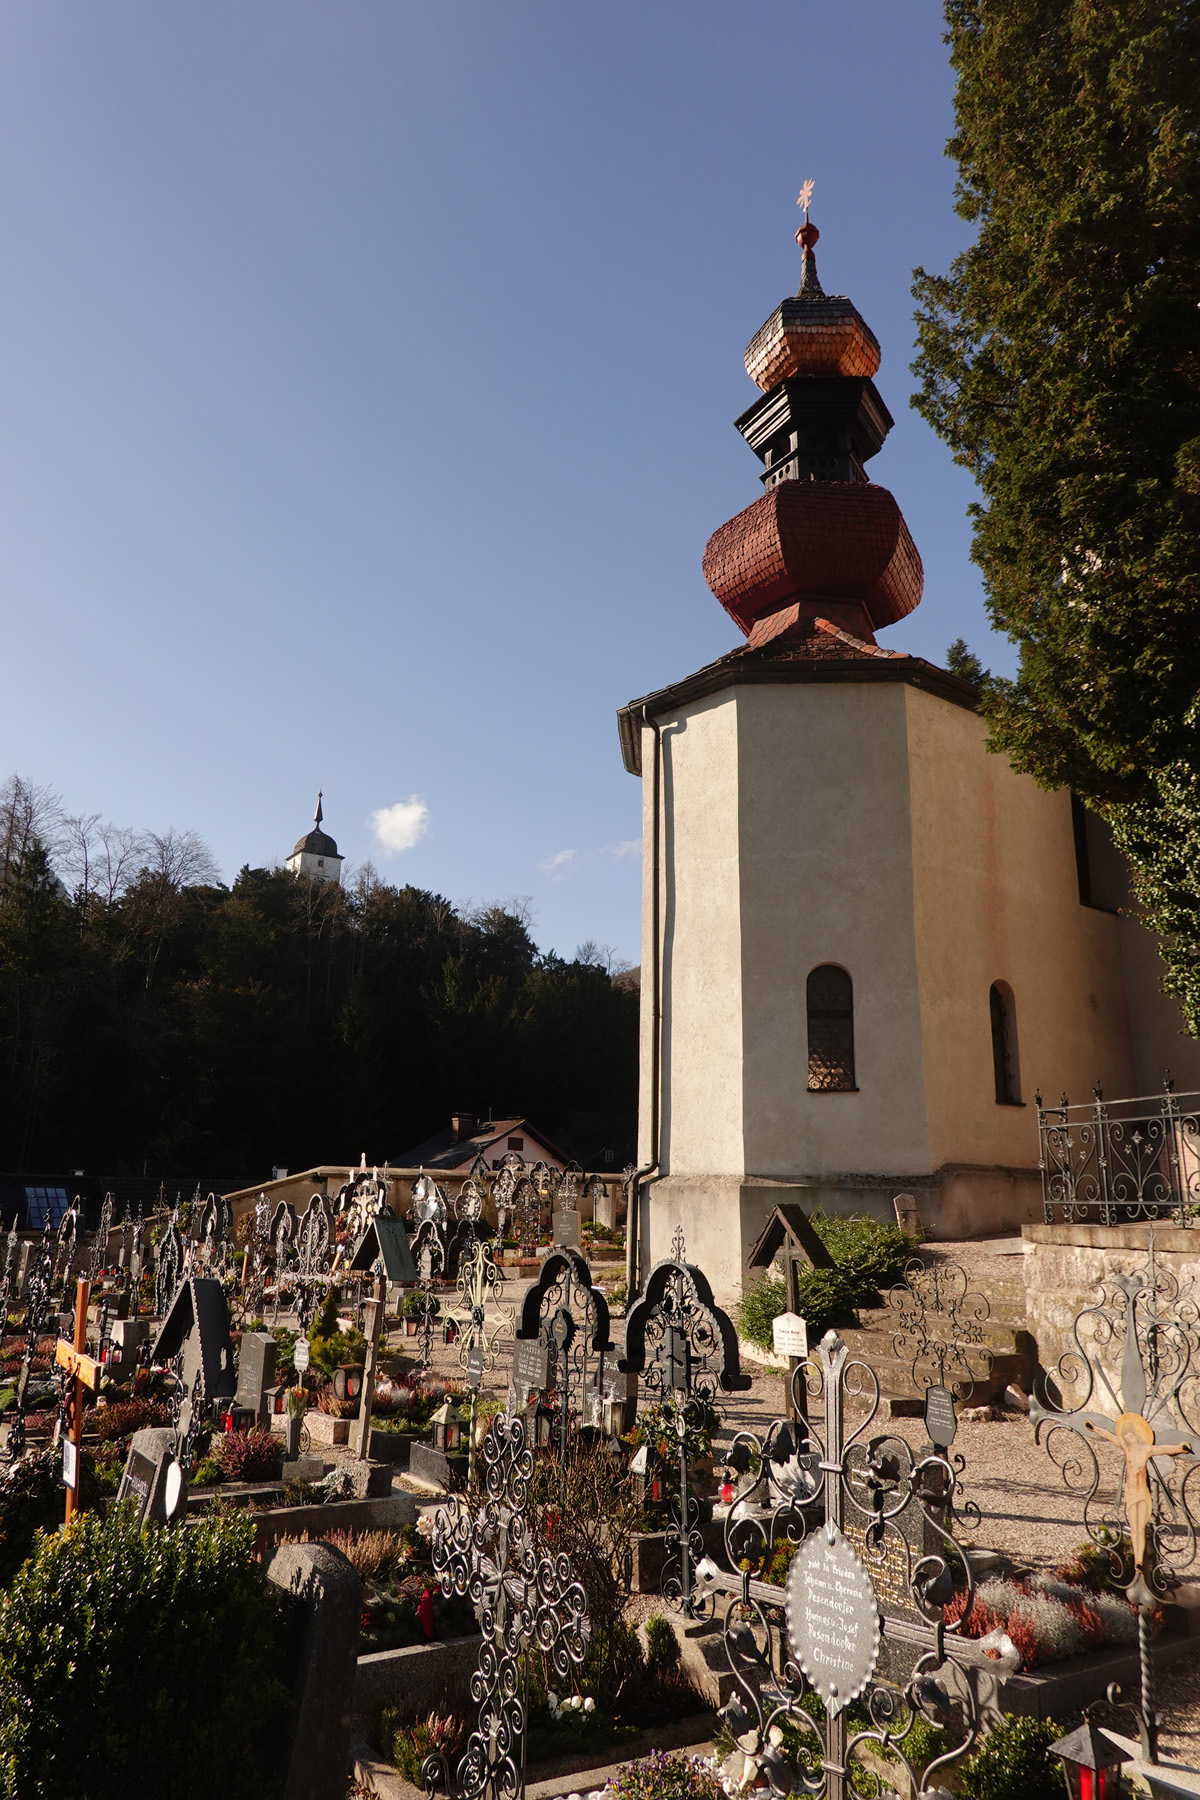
x: 1160, y: 1042
x: 700, y: 938
x: 826, y: 877
x: 996, y: 898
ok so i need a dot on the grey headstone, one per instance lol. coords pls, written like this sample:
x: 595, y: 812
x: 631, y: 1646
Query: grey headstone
x: 331, y: 1593
x: 144, y: 1481
x: 566, y: 1228
x: 256, y: 1370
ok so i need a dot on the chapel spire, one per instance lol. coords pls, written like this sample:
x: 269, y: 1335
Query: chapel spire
x: 823, y: 541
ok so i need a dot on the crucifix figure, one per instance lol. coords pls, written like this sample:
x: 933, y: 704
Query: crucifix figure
x: 1134, y: 1438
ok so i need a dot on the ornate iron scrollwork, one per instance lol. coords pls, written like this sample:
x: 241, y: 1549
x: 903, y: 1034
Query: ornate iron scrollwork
x: 825, y: 1494
x: 570, y: 1317
x: 1148, y: 1411
x: 940, y: 1326
x: 313, y: 1259
x: 684, y: 1348
x: 1123, y: 1161
x: 525, y: 1597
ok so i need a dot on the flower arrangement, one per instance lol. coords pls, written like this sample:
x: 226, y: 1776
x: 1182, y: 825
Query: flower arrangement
x: 669, y: 1775
x: 573, y: 1703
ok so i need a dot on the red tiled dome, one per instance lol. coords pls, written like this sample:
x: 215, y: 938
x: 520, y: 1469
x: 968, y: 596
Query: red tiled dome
x: 817, y: 334
x: 816, y: 540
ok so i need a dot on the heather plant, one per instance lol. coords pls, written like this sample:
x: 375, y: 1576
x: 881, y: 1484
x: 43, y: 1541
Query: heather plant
x: 127, y: 1416
x: 250, y: 1455
x: 407, y: 1742
x: 1044, y: 1627
x: 135, y: 1662
x: 373, y: 1554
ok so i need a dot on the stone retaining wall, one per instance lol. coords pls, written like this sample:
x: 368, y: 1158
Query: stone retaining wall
x: 424, y: 1676
x: 1064, y: 1266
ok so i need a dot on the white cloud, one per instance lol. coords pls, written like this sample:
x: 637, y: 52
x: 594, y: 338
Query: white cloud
x: 627, y: 847
x: 398, y: 827
x: 562, y: 861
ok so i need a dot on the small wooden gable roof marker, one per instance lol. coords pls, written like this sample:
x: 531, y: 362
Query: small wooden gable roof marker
x: 789, y: 1226
x: 386, y: 1241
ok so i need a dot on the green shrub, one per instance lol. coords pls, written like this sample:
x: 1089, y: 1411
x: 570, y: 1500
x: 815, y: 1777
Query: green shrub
x: 138, y: 1662
x: 32, y: 1499
x: 1015, y: 1759
x: 662, y: 1646
x: 328, y: 1347
x: 826, y: 1297
x: 874, y: 1254
x: 868, y: 1255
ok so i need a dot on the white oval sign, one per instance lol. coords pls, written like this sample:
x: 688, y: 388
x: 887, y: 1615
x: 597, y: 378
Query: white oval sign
x: 832, y: 1617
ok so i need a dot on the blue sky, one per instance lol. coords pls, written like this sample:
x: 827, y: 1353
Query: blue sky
x: 367, y: 384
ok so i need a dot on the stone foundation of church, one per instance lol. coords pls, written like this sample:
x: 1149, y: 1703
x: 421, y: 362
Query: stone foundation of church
x: 722, y: 1216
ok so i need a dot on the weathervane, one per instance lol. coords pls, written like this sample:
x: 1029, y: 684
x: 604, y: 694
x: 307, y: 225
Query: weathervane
x: 804, y: 199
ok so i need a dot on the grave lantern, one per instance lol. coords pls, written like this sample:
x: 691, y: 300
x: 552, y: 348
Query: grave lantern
x: 647, y: 1471
x: 348, y: 1381
x: 448, y: 1424
x: 449, y: 1331
x: 276, y: 1400
x: 1091, y: 1763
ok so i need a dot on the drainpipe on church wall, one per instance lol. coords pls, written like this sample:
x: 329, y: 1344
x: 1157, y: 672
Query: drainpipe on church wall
x: 633, y: 1258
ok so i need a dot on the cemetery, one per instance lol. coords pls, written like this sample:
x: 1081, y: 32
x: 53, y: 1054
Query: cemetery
x: 536, y: 1534
x: 845, y: 1442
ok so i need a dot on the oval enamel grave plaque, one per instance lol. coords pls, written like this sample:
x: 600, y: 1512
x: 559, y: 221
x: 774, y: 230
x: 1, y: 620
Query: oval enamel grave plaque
x: 832, y: 1617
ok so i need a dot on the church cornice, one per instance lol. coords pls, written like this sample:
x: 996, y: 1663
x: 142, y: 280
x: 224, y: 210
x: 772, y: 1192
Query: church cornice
x: 736, y: 671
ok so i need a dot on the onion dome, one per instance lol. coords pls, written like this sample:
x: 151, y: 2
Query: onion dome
x: 816, y: 540
x: 811, y: 333
x: 316, y: 842
x: 822, y: 532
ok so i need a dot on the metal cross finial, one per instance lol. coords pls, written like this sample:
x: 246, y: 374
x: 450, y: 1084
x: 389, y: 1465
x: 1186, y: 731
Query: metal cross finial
x: 805, y: 196
x: 678, y: 1248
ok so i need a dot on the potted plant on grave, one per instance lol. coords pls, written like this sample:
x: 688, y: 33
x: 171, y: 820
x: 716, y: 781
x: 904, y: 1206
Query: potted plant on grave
x: 297, y: 1403
x: 414, y: 1313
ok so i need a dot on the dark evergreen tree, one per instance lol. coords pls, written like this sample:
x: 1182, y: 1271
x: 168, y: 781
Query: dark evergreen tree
x: 1060, y: 359
x: 205, y: 1030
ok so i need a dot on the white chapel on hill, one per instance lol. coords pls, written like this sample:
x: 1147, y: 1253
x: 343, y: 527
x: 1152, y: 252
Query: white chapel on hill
x: 316, y: 854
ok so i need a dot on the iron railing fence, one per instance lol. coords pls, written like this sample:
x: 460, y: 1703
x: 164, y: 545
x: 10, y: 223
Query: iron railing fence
x: 1121, y: 1162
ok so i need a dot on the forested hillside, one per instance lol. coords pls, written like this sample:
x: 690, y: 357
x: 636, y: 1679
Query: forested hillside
x: 168, y: 1022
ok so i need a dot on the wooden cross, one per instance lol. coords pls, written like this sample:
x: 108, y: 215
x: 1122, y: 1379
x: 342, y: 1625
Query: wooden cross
x: 84, y: 1371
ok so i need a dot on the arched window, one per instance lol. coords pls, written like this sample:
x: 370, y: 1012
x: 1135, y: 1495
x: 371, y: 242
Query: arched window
x: 1005, y: 1063
x: 830, y: 1030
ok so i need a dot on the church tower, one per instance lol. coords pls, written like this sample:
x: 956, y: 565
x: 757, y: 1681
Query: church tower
x: 866, y: 940
x: 316, y: 854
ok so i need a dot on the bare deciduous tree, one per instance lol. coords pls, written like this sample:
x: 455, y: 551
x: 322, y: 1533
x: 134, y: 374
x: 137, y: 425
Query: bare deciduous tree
x: 602, y: 956
x: 179, y: 859
x: 27, y: 811
x: 99, y: 860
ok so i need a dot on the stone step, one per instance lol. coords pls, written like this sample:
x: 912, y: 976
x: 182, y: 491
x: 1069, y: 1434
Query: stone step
x: 1000, y: 1340
x: 1001, y: 1310
x: 895, y: 1377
